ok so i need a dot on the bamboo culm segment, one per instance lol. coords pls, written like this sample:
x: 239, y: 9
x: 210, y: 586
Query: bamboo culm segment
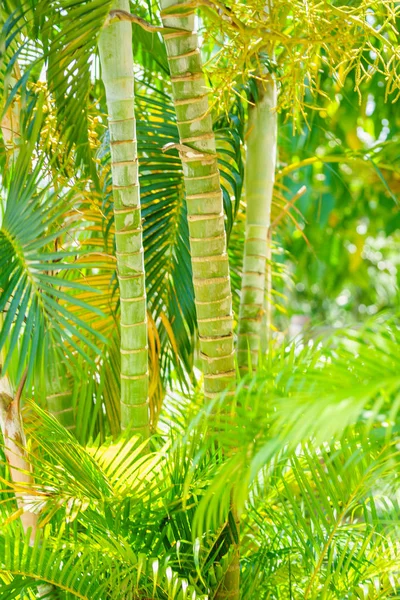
x: 116, y: 56
x: 210, y: 264
x: 260, y: 177
x: 204, y: 201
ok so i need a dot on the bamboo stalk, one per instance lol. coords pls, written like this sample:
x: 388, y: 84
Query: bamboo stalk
x: 260, y: 177
x: 208, y: 246
x: 116, y: 56
x: 204, y: 200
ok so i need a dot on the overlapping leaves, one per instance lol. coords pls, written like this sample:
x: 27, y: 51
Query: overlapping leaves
x: 117, y: 509
x: 37, y: 289
x: 315, y: 393
x: 65, y: 34
x: 327, y: 521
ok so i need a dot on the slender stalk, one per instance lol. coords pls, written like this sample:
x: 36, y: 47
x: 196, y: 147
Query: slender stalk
x: 209, y: 257
x: 116, y: 58
x: 267, y: 318
x: 204, y: 200
x: 229, y: 586
x: 260, y: 177
x: 14, y: 441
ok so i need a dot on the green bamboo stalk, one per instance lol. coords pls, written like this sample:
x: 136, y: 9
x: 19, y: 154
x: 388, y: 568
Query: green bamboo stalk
x: 260, y: 177
x: 209, y: 258
x: 197, y: 149
x: 116, y: 56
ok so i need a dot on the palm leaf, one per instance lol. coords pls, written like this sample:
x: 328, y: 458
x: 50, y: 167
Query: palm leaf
x: 109, y: 499
x: 327, y: 517
x: 65, y: 35
x: 316, y: 394
x: 36, y: 292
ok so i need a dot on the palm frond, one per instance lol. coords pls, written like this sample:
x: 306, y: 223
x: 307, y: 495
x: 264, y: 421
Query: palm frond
x: 37, y: 294
x: 114, y: 499
x: 89, y: 569
x: 327, y: 522
x: 311, y: 394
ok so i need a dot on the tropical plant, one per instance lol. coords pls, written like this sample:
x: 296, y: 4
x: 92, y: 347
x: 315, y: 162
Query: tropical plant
x: 151, y: 478
x: 204, y: 199
x: 319, y: 518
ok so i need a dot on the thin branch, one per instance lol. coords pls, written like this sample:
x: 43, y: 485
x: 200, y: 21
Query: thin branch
x: 123, y: 15
x: 218, y: 7
x: 284, y: 211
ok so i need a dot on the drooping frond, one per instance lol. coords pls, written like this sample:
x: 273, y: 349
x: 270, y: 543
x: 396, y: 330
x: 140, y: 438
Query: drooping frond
x: 88, y: 569
x: 115, y: 501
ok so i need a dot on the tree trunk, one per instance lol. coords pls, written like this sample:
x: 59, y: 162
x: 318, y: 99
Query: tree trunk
x: 20, y: 470
x: 260, y: 177
x: 209, y: 257
x: 204, y: 200
x: 14, y: 450
x: 116, y: 58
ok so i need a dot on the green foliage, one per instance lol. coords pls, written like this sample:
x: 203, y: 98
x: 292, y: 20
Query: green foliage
x: 318, y: 496
x: 306, y: 447
x: 347, y: 161
x: 35, y: 274
x: 313, y: 392
x: 302, y: 45
x: 115, y: 508
x: 67, y: 58
x: 327, y: 526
